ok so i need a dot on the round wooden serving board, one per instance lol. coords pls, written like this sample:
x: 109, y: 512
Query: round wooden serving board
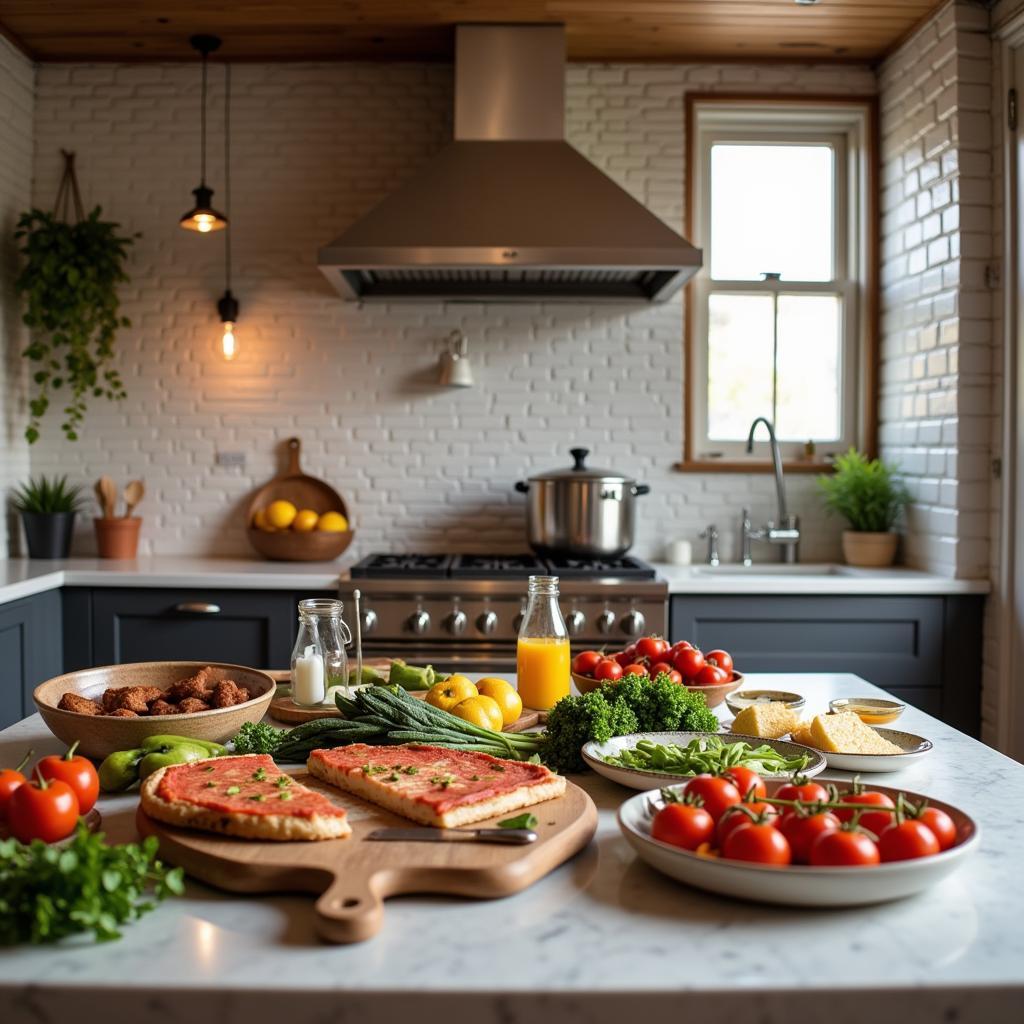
x: 352, y: 877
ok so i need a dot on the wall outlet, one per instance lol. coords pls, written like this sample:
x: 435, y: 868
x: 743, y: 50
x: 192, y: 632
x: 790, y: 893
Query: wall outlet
x: 231, y: 460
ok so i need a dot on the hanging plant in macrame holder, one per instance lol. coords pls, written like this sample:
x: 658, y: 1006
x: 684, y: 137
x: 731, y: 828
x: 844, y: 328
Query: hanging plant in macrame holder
x: 69, y: 284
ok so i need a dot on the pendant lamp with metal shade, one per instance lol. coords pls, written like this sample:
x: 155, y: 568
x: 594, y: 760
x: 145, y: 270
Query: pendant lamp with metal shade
x: 203, y: 217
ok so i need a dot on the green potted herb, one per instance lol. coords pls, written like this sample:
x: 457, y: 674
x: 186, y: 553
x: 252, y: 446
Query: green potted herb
x: 867, y: 494
x: 48, y: 508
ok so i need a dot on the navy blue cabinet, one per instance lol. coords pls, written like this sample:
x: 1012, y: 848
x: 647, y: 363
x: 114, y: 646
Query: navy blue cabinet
x: 30, y: 651
x: 925, y: 650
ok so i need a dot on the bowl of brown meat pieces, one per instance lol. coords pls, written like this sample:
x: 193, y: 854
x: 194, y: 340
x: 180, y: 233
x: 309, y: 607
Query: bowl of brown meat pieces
x: 116, y: 707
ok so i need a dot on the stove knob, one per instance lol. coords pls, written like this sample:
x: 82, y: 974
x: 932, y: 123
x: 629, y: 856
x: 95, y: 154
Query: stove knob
x: 605, y: 621
x: 369, y: 621
x: 419, y: 622
x: 487, y: 622
x: 574, y: 622
x: 456, y: 622
x: 632, y: 623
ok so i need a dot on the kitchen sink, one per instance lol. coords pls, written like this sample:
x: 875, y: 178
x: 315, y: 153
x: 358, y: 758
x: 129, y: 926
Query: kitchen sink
x: 773, y: 569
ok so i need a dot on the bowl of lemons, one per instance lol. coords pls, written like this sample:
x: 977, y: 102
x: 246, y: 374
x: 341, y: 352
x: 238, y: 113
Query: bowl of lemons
x: 298, y: 518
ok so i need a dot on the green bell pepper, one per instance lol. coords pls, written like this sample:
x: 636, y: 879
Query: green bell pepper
x: 178, y: 753
x: 161, y: 743
x: 120, y: 770
x: 409, y: 677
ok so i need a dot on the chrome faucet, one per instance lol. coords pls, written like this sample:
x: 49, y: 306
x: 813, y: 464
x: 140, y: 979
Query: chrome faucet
x: 711, y: 533
x: 785, y: 530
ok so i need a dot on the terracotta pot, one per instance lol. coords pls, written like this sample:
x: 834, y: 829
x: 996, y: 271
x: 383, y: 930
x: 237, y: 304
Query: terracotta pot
x: 118, y: 537
x: 871, y: 550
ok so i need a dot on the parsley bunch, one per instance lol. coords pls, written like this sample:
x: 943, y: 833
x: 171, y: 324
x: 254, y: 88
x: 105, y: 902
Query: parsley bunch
x: 49, y: 892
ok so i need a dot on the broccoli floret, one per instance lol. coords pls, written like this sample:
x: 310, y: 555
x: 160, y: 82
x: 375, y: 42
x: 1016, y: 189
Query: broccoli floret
x: 258, y: 738
x: 575, y: 720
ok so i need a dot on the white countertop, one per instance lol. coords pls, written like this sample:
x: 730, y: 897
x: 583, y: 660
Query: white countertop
x: 810, y: 578
x: 22, y: 577
x: 603, y: 938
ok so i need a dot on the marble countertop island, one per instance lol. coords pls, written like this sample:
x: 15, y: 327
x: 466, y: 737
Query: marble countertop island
x: 604, y: 938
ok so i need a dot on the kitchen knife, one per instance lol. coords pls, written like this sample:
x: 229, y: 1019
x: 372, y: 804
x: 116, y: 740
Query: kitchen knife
x: 426, y: 834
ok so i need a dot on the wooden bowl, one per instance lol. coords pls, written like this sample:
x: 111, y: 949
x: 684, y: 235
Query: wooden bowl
x: 303, y: 491
x: 100, y: 735
x: 714, y: 695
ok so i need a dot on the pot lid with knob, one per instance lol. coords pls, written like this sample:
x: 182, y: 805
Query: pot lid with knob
x: 582, y: 472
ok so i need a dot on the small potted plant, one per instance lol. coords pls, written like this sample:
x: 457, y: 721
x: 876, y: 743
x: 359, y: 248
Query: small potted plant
x: 867, y: 494
x: 48, y: 508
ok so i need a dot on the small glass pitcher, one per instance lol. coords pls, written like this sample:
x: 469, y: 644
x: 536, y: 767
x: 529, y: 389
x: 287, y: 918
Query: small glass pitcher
x: 319, y: 660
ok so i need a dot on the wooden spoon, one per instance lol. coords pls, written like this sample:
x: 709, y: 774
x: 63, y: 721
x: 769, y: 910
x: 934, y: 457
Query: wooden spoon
x: 134, y: 492
x: 106, y: 489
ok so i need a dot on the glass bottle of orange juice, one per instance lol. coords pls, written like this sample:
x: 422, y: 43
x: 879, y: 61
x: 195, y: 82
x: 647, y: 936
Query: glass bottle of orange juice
x: 542, y: 652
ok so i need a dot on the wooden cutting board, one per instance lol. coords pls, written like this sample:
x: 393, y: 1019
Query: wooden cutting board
x: 352, y: 877
x: 284, y: 709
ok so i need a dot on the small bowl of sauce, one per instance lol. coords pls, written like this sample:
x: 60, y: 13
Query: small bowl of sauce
x: 870, y: 710
x: 736, y: 702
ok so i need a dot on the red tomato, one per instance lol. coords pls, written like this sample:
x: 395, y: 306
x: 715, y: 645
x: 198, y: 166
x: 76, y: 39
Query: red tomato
x: 661, y: 666
x: 723, y: 659
x: 77, y: 771
x: 10, y: 780
x: 746, y: 779
x: 761, y: 844
x: 636, y: 669
x: 734, y: 818
x: 711, y: 676
x: 585, y: 662
x: 625, y: 657
x: 801, y: 789
x: 839, y: 848
x: 41, y: 809
x: 607, y: 669
x: 683, y: 825
x: 679, y: 645
x: 688, y: 662
x: 717, y: 793
x: 801, y: 830
x: 938, y: 821
x: 907, y: 841
x: 652, y: 647
x: 874, y: 821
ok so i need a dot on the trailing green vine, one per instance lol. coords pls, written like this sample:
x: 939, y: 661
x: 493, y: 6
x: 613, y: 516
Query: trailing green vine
x: 69, y: 282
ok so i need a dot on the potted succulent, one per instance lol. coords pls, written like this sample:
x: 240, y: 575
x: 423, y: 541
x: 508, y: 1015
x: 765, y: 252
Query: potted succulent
x: 48, y: 508
x: 867, y: 494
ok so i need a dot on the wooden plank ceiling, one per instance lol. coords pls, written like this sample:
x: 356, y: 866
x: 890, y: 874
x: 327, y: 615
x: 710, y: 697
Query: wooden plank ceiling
x: 649, y: 30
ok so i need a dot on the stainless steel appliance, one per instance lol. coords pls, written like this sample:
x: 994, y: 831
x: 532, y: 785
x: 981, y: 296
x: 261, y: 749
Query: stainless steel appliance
x: 509, y: 211
x: 581, y: 512
x: 463, y: 611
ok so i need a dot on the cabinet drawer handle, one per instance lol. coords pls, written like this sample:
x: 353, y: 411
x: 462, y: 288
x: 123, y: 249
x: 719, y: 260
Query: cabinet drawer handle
x: 197, y: 608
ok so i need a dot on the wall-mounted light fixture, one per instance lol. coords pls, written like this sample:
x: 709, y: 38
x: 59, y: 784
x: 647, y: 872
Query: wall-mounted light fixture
x: 227, y: 306
x: 454, y: 368
x: 203, y: 217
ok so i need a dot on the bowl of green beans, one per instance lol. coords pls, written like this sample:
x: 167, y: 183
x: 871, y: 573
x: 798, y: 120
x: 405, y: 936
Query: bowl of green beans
x: 654, y: 759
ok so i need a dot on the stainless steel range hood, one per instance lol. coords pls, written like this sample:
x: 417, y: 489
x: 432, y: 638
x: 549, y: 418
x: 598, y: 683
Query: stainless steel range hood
x: 509, y: 211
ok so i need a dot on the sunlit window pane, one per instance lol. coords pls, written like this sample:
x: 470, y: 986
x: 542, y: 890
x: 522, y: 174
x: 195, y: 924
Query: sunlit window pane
x: 739, y: 363
x: 808, y: 368
x: 771, y: 212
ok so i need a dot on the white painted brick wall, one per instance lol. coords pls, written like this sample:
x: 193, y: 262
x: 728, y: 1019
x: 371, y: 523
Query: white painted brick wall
x: 16, y: 102
x: 935, y: 403
x: 422, y: 467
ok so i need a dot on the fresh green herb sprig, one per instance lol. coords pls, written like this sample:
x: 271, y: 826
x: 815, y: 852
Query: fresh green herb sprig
x: 48, y: 893
x: 526, y: 820
x: 258, y: 738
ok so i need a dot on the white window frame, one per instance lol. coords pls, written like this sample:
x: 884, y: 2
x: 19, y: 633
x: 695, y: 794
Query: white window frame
x: 846, y: 128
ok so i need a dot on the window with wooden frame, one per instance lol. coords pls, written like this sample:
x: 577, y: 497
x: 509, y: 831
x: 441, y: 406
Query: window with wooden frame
x: 781, y: 319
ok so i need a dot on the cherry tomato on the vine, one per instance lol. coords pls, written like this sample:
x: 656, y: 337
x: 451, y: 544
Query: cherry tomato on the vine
x: 735, y: 817
x: 585, y: 662
x: 717, y: 793
x: 800, y: 788
x: 606, y: 668
x: 907, y: 840
x: 938, y: 821
x: 801, y: 830
x: 723, y: 659
x: 841, y: 848
x: 652, y: 647
x: 760, y: 844
x: 688, y: 662
x: 683, y: 825
x: 746, y: 779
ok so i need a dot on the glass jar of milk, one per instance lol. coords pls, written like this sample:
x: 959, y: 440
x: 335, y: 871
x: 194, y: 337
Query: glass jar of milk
x: 318, y: 659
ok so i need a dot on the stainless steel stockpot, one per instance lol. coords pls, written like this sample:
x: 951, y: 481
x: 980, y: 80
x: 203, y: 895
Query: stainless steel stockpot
x: 581, y: 512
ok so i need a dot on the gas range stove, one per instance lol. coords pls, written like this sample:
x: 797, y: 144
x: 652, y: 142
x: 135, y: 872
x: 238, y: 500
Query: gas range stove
x: 464, y: 611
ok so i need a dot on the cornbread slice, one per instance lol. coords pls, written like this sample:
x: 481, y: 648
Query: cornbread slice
x: 770, y: 721
x: 845, y: 733
x: 801, y: 733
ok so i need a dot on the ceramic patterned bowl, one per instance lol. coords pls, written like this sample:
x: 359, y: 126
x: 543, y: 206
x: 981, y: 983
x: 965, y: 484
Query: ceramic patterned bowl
x: 100, y: 735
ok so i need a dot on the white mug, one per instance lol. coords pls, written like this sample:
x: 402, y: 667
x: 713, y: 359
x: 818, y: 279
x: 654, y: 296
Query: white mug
x: 679, y: 552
